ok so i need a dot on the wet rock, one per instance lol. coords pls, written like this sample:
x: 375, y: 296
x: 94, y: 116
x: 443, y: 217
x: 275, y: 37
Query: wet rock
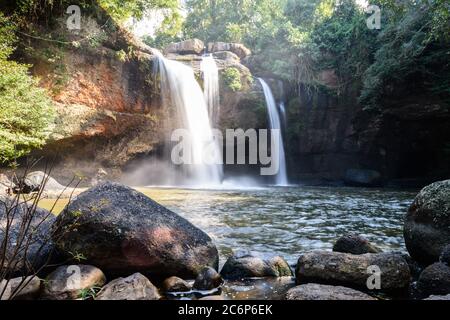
x: 353, y: 270
x: 237, y: 48
x: 37, y: 241
x: 135, y: 287
x: 434, y: 280
x: 249, y: 265
x: 319, y: 292
x: 21, y: 288
x: 191, y: 46
x: 445, y: 256
x: 354, y: 244
x: 175, y: 284
x: 208, y: 279
x: 122, y: 231
x: 438, y: 298
x: 362, y: 178
x: 68, y: 282
x: 427, y: 224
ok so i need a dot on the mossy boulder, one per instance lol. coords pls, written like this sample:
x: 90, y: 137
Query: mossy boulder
x: 427, y: 224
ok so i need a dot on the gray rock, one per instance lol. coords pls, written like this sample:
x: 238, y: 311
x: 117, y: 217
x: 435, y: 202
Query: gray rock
x: 434, y: 280
x: 135, y: 287
x: 237, y: 48
x: 319, y: 292
x: 227, y: 56
x: 249, y: 265
x: 68, y: 282
x: 362, y: 178
x: 40, y: 247
x: 354, y: 244
x: 353, y: 271
x: 122, y: 231
x: 191, y: 46
x: 175, y: 284
x: 35, y: 181
x: 427, y: 224
x: 21, y: 288
x: 208, y: 279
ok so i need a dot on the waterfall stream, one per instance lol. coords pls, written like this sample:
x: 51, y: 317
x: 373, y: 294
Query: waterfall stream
x: 275, y: 123
x: 181, y: 91
x: 210, y: 72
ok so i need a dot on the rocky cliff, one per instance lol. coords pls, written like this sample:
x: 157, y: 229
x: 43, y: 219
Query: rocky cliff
x: 109, y: 110
x: 333, y: 139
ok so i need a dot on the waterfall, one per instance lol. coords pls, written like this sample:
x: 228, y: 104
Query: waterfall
x: 210, y: 72
x: 282, y: 104
x: 283, y: 114
x: 275, y: 123
x: 181, y: 91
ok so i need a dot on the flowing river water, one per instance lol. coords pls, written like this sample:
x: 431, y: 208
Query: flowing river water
x: 285, y: 221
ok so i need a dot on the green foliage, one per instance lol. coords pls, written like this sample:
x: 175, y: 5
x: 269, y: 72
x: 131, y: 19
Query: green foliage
x: 297, y: 39
x: 25, y: 109
x: 232, y: 79
x: 238, y: 21
x: 413, y: 50
x: 89, y: 293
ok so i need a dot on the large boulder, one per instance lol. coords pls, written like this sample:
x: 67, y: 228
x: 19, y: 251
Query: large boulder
x: 313, y: 292
x: 354, y: 244
x: 362, y: 178
x: 27, y: 288
x: 68, y: 282
x: 237, y: 48
x: 123, y: 231
x: 191, y: 46
x: 135, y: 287
x: 434, y: 280
x: 28, y: 250
x: 244, y: 264
x: 353, y: 270
x: 427, y: 224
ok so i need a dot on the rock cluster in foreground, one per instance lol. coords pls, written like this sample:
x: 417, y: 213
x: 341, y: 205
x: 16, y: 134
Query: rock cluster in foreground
x: 127, y: 241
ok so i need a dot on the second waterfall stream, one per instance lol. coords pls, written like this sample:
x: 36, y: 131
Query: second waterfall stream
x: 275, y: 124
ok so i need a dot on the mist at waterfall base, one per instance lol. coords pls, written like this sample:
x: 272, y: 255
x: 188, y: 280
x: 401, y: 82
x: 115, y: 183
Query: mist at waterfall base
x: 197, y: 111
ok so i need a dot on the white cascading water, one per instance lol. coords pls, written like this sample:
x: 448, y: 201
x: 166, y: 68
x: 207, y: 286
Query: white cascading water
x: 275, y: 123
x: 283, y: 113
x: 210, y: 72
x: 182, y: 91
